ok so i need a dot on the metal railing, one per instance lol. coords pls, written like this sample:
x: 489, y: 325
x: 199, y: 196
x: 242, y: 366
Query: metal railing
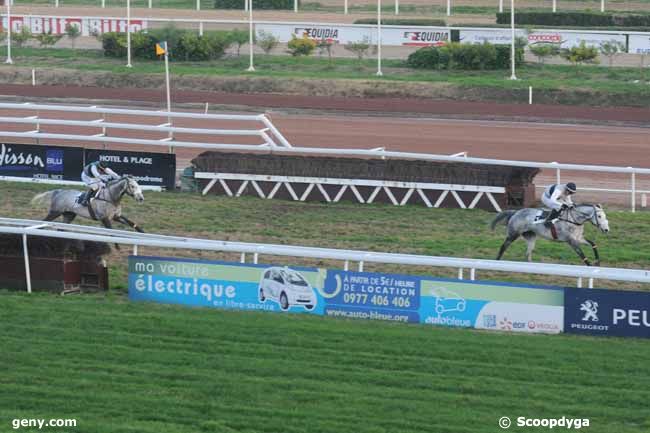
x: 268, y: 133
x: 27, y: 228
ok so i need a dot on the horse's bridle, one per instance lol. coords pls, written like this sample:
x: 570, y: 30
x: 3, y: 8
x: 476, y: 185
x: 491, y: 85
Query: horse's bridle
x: 125, y: 189
x: 594, y: 215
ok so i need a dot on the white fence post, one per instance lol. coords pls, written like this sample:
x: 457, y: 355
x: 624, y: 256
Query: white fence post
x: 602, y: 5
x: 501, y: 6
x: 530, y: 95
x: 255, y: 257
x: 150, y: 4
x: 33, y: 77
x: 361, y: 266
x: 345, y: 7
x: 633, y: 193
x: 28, y: 275
x: 554, y: 6
x: 346, y: 265
x: 579, y: 284
x: 448, y: 8
x: 128, y: 34
x: 198, y: 5
x: 135, y: 250
x: 460, y: 273
x: 242, y: 258
x: 472, y: 274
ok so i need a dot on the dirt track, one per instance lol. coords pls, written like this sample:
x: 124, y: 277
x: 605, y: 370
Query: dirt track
x: 413, y: 126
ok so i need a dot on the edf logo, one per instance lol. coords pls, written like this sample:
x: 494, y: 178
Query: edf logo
x: 54, y: 160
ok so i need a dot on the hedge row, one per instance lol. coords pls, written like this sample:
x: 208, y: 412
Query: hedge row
x: 404, y: 22
x: 257, y: 4
x: 183, y: 44
x: 455, y: 55
x: 579, y: 19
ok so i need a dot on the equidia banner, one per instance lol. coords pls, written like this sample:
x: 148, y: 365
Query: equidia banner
x: 147, y: 168
x: 607, y: 312
x: 345, y: 34
x: 363, y: 295
x: 41, y: 162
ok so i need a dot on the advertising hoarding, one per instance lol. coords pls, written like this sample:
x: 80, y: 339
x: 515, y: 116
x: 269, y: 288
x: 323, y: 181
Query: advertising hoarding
x: 41, y: 162
x: 607, y: 312
x: 348, y: 294
x: 158, y: 169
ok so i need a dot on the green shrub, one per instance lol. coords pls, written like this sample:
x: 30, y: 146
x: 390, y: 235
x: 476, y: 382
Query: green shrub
x: 424, y: 58
x: 114, y: 44
x: 189, y: 46
x: 301, y: 46
x: 455, y: 55
x: 404, y: 22
x: 143, y: 46
x: 257, y: 4
x: 581, y: 54
x: 575, y: 19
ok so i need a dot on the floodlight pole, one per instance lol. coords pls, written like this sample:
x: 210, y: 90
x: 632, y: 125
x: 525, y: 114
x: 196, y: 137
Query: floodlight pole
x: 128, y: 34
x: 379, y: 73
x: 512, y: 45
x: 9, y: 60
x: 251, y: 68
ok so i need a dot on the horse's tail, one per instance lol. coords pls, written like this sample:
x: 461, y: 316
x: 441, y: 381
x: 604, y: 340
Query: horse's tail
x: 42, y: 198
x: 505, y: 215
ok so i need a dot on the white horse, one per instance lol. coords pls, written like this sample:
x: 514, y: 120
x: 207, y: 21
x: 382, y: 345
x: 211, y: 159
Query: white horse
x: 104, y: 207
x: 569, y: 227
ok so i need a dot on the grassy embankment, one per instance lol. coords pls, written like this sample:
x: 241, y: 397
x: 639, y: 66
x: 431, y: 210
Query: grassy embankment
x: 591, y: 85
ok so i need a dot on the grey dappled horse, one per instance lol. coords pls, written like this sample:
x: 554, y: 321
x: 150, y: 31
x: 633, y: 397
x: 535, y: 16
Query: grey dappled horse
x: 106, y: 205
x: 569, y: 228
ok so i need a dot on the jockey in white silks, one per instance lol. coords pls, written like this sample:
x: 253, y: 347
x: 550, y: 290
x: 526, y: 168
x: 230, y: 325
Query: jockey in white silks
x: 558, y: 197
x: 94, y: 175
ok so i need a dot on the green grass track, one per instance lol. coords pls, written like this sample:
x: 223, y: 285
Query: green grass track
x: 120, y: 367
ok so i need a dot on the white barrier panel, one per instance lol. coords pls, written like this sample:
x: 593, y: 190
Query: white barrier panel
x: 334, y: 33
x: 565, y: 39
x: 415, y: 36
x: 572, y: 39
x: 87, y: 25
x: 639, y: 44
x: 492, y: 36
x: 344, y: 34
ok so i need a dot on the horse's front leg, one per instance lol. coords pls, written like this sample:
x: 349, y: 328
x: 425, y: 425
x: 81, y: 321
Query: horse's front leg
x: 594, y: 248
x: 106, y: 222
x: 576, y: 247
x: 125, y: 220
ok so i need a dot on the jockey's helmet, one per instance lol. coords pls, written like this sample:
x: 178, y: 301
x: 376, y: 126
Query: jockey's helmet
x: 571, y: 187
x: 101, y: 164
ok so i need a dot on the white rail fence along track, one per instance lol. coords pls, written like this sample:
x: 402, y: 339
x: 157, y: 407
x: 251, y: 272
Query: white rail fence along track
x: 270, y: 140
x: 27, y: 228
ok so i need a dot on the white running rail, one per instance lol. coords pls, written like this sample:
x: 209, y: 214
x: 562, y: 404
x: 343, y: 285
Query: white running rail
x: 27, y: 228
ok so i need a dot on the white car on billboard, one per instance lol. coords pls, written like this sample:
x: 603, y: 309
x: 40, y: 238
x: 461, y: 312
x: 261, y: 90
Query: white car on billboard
x: 448, y: 301
x: 286, y: 287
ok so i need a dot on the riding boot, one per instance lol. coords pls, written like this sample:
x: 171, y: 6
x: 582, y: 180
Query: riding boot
x: 549, y: 219
x: 89, y: 195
